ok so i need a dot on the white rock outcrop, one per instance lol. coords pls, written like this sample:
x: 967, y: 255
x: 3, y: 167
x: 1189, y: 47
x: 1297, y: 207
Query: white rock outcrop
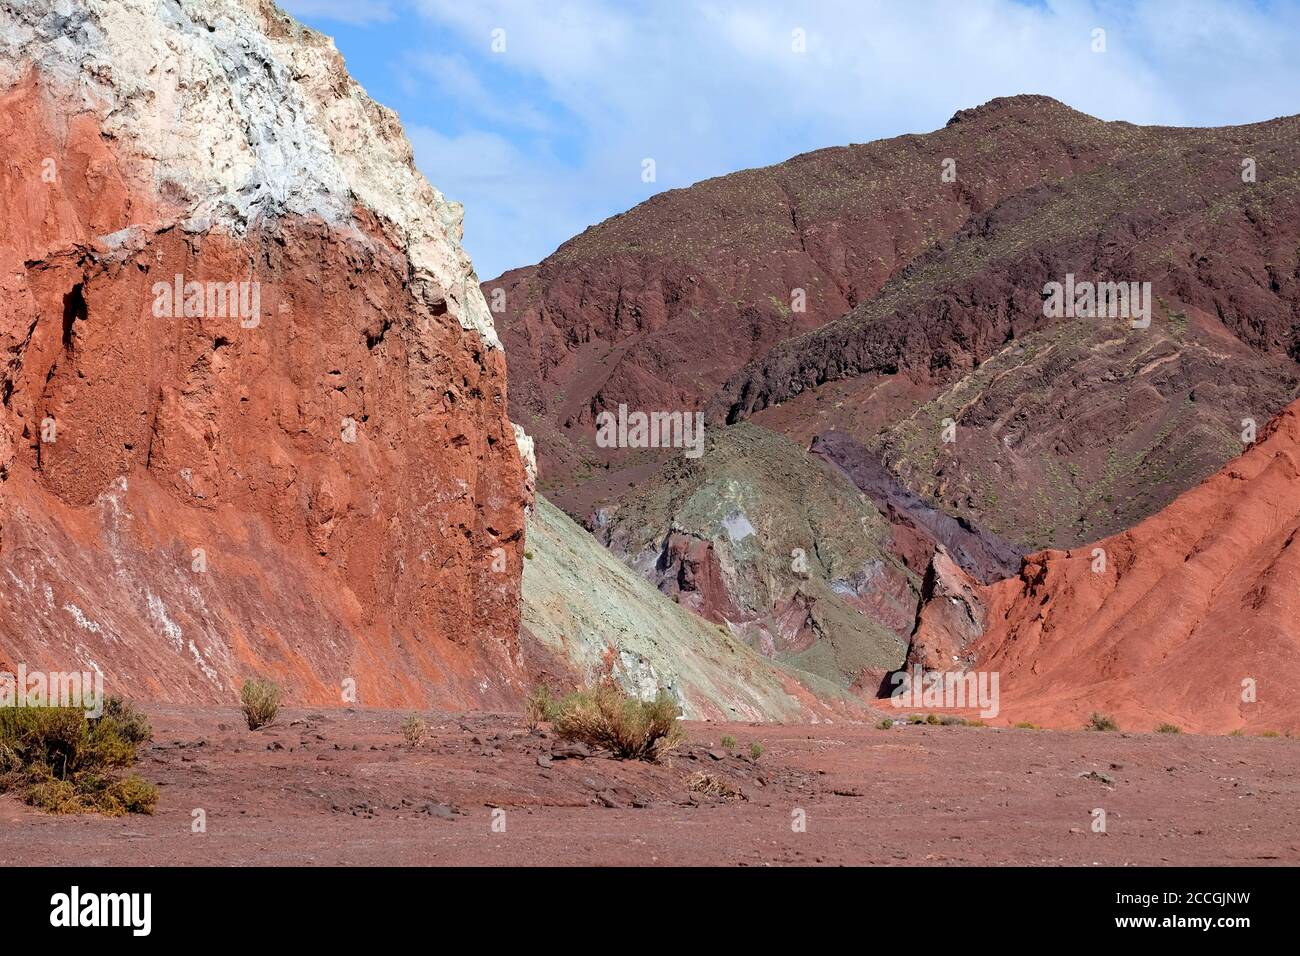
x: 238, y: 112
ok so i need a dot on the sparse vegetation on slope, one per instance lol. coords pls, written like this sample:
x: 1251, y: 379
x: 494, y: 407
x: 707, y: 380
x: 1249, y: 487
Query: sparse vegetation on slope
x: 1101, y: 722
x: 60, y: 760
x: 628, y: 728
x: 414, y: 729
x: 260, y: 701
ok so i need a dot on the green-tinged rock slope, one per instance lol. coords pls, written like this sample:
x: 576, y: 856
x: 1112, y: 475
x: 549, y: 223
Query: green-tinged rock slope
x: 777, y: 546
x: 585, y: 607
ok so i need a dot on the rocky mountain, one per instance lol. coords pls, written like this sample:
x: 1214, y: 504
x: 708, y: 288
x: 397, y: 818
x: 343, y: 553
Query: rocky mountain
x: 586, y: 616
x: 254, y: 416
x: 922, y: 262
x: 1067, y: 427
x: 1187, y: 618
x: 659, y: 306
x: 791, y: 559
x: 927, y: 365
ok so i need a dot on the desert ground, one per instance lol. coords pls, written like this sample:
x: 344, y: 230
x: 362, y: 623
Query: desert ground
x: 346, y: 788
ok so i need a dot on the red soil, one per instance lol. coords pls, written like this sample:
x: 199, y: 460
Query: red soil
x: 910, y: 795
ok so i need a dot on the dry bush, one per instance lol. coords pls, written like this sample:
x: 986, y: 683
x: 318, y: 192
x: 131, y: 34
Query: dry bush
x: 1101, y: 722
x: 62, y: 761
x: 260, y: 702
x: 712, y: 786
x: 543, y: 706
x: 628, y: 728
x: 414, y: 729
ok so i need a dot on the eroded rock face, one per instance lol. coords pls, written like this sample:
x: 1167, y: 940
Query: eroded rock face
x: 660, y: 306
x: 588, y: 617
x: 951, y: 617
x: 310, y: 476
x: 1188, y: 618
x: 917, y: 527
x: 778, y: 548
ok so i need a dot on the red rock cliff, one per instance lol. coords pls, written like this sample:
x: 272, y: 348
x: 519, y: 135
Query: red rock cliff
x: 313, y: 478
x: 1189, y: 618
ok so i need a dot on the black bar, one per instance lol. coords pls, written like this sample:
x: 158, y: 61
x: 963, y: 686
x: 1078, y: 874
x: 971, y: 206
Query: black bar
x: 335, y: 905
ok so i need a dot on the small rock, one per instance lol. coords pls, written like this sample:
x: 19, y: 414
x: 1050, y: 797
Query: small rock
x: 439, y: 811
x: 544, y: 760
x: 571, y: 750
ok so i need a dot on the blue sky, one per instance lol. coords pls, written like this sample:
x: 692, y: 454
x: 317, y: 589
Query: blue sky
x: 548, y: 135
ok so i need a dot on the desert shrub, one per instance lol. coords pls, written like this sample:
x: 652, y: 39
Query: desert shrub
x: 1169, y: 729
x: 129, y: 722
x: 884, y: 724
x: 628, y: 728
x: 135, y: 795
x: 713, y: 786
x: 1101, y: 722
x: 542, y: 705
x: 933, y: 720
x: 414, y: 729
x: 1269, y: 733
x: 1026, y: 725
x: 260, y: 701
x: 61, y: 761
x: 728, y: 742
x: 53, y: 796
x: 755, y: 750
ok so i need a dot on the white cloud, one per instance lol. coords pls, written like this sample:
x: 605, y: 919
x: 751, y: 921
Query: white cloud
x: 516, y: 202
x: 708, y: 88
x: 453, y: 77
